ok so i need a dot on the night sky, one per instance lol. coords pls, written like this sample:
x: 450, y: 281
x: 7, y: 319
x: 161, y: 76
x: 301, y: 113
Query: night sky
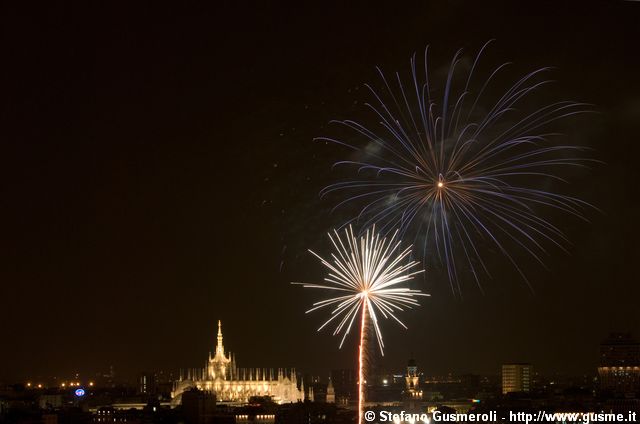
x: 159, y: 173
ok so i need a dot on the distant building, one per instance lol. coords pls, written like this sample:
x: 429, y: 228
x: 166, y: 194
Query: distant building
x: 198, y: 407
x: 107, y: 379
x: 516, y: 378
x: 318, y: 391
x: 412, y: 380
x: 331, y: 393
x: 223, y: 378
x: 50, y: 401
x: 619, y: 370
x: 147, y: 383
x: 345, y: 384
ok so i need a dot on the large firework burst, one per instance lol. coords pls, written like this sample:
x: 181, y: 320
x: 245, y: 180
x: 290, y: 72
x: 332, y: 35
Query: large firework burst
x: 460, y: 170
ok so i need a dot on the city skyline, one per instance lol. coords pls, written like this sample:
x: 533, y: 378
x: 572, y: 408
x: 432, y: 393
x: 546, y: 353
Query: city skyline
x: 89, y: 377
x: 161, y: 175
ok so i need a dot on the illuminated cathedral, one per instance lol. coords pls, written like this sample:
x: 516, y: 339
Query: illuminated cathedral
x: 229, y: 383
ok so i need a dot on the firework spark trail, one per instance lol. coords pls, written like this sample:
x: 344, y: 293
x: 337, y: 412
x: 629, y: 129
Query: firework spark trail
x: 457, y: 176
x: 367, y: 274
x: 361, y: 347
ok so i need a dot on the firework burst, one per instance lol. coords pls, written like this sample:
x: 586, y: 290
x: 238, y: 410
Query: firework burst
x: 461, y: 171
x: 367, y: 275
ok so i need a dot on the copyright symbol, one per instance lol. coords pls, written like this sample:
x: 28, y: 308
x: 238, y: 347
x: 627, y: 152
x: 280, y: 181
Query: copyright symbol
x: 369, y: 416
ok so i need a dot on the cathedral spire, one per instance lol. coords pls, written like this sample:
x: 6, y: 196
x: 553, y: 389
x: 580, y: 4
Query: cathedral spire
x: 220, y: 347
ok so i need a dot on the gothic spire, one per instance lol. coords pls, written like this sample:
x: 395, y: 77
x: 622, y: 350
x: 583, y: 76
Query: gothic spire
x: 219, y: 347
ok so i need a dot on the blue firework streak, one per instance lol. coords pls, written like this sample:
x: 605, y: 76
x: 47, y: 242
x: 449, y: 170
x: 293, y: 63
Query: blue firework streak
x: 460, y: 171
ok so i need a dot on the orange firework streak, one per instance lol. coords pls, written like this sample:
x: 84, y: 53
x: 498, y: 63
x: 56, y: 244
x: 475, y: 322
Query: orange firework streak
x: 361, y: 361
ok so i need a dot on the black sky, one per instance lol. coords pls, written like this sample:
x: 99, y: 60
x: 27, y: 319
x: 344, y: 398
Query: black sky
x: 157, y: 160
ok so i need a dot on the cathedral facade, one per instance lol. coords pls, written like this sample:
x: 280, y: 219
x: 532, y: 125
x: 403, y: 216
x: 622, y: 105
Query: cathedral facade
x: 229, y: 383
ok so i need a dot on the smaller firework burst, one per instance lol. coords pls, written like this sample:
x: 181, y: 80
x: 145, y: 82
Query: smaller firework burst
x: 366, y: 273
